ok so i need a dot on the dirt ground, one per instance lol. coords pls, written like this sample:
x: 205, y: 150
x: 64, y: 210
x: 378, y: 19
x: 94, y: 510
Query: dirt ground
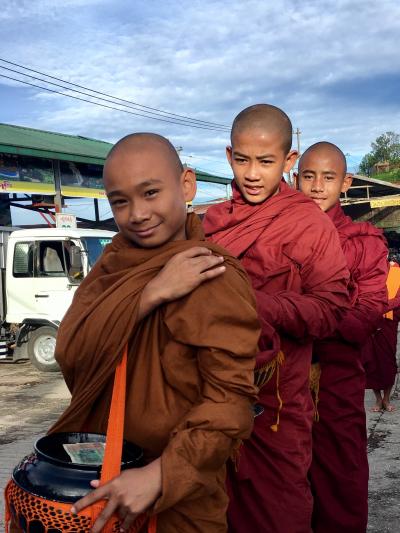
x: 31, y: 401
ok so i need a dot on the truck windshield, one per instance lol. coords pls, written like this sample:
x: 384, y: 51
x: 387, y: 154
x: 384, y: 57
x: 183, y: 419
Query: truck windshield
x: 94, y: 247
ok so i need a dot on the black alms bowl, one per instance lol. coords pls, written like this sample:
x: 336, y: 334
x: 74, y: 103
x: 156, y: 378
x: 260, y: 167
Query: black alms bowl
x: 49, y: 473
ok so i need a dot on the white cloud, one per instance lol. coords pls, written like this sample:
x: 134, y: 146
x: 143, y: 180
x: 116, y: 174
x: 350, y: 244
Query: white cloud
x: 323, y: 62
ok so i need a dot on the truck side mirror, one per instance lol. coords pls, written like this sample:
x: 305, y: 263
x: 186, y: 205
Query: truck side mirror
x: 76, y: 269
x: 76, y: 258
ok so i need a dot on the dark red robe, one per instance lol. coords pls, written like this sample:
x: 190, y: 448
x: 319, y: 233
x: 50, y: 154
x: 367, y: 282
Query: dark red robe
x: 339, y: 471
x: 292, y: 254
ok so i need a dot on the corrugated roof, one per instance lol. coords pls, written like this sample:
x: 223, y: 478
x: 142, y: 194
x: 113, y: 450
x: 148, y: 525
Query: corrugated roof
x: 205, y: 176
x: 50, y: 145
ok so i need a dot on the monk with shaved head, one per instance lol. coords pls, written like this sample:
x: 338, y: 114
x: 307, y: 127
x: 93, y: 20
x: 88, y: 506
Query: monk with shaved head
x: 191, y: 327
x: 292, y: 255
x: 339, y: 471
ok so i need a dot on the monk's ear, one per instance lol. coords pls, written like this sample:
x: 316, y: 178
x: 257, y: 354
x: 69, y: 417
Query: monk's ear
x: 188, y: 182
x: 290, y: 160
x: 229, y: 154
x: 348, y: 180
x: 295, y: 178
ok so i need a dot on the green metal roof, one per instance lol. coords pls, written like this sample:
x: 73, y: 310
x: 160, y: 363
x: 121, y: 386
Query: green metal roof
x: 211, y: 178
x: 50, y: 145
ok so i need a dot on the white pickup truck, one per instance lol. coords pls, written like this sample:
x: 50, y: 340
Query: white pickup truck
x: 40, y: 272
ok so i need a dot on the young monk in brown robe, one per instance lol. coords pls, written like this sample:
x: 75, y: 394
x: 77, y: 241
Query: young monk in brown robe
x: 292, y: 254
x: 339, y: 471
x: 191, y: 362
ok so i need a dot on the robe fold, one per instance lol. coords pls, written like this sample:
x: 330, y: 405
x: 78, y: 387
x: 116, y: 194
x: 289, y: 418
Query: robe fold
x: 339, y: 470
x: 292, y: 254
x: 190, y: 376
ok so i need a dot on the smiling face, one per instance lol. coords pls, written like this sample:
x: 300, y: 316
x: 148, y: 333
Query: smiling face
x: 148, y: 192
x: 258, y: 161
x: 322, y: 175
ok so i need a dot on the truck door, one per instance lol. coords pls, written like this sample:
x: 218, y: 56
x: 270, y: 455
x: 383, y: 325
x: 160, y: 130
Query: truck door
x: 21, y: 301
x: 53, y: 288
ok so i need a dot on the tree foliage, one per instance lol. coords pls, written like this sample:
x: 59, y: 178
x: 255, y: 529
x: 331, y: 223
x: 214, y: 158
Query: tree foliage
x: 385, y: 148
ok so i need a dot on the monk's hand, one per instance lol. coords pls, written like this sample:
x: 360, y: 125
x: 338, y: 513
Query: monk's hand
x: 127, y: 495
x: 182, y: 274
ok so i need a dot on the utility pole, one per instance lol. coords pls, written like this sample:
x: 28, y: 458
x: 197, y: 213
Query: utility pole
x: 298, y: 133
x: 57, y: 183
x: 290, y: 174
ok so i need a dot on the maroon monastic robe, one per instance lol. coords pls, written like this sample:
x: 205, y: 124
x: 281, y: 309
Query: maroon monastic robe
x: 292, y: 254
x: 339, y: 471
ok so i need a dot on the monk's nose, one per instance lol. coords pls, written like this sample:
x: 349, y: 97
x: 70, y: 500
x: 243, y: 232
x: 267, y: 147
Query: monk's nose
x: 318, y: 185
x: 252, y: 173
x: 138, y: 214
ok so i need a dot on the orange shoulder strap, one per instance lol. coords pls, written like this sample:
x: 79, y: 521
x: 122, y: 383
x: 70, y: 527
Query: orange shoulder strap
x: 114, y: 439
x: 115, y: 434
x: 115, y: 428
x: 393, y: 285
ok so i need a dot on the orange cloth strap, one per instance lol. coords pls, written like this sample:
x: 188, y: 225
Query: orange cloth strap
x: 115, y: 435
x: 114, y: 439
x: 393, y: 285
x: 115, y: 429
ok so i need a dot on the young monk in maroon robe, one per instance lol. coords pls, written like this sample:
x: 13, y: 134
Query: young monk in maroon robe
x: 382, y: 373
x: 190, y: 384
x: 292, y: 254
x: 339, y: 471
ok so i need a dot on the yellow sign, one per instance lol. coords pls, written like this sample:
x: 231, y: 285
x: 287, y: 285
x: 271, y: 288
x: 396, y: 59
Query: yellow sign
x: 9, y: 186
x: 385, y: 202
x: 83, y: 192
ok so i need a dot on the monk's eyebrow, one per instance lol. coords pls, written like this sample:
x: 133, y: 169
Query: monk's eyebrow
x: 263, y: 156
x: 149, y: 183
x: 311, y: 171
x: 141, y: 185
x: 114, y: 193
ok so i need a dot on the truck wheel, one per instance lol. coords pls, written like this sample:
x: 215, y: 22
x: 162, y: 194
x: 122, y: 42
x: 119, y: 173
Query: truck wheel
x: 41, y: 347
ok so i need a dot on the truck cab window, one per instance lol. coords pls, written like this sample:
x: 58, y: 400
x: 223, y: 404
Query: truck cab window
x: 51, y: 259
x: 23, y: 260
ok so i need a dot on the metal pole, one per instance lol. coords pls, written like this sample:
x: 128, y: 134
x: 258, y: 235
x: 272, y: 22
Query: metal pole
x: 57, y: 185
x: 96, y: 209
x: 298, y: 133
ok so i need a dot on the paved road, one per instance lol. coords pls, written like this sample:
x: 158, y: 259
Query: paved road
x: 32, y: 401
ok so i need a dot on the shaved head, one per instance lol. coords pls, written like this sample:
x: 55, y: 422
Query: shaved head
x: 325, y: 149
x: 265, y: 118
x: 323, y: 174
x: 148, y: 188
x: 137, y: 143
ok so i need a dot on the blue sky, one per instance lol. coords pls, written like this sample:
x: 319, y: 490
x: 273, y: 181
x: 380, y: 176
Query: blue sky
x: 333, y: 66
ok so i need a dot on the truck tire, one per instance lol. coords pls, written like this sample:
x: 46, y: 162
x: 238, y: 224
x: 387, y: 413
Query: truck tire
x: 41, y: 347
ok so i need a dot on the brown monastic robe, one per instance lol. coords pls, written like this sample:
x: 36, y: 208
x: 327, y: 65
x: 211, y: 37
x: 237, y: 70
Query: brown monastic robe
x: 190, y: 372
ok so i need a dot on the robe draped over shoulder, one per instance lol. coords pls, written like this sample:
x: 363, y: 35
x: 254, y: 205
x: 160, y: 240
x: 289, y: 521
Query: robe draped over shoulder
x: 339, y: 470
x: 292, y: 254
x: 190, y: 376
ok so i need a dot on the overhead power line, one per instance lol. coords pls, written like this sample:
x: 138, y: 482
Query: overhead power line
x: 104, y: 105
x: 214, y: 159
x: 140, y: 110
